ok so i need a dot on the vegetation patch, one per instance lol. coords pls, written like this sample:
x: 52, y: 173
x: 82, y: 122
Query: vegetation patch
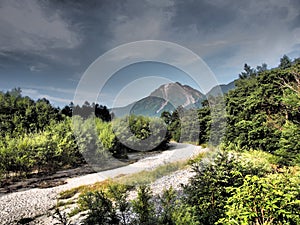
x: 146, y: 177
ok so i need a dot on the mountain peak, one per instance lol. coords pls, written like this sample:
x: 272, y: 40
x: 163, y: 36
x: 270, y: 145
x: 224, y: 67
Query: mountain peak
x: 168, y: 97
x: 178, y: 94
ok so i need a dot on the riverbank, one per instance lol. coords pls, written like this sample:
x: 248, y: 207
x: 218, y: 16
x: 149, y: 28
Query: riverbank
x: 33, y: 203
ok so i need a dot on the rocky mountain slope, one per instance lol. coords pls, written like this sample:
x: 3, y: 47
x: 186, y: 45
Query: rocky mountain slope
x: 167, y: 98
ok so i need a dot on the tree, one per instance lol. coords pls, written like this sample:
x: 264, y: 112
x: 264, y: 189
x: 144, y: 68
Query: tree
x: 175, y: 125
x: 143, y: 207
x: 67, y: 110
x: 87, y: 139
x: 248, y: 71
x: 167, y: 203
x: 140, y: 133
x: 167, y: 117
x: 102, y: 112
x: 262, y: 68
x: 289, y: 147
x: 204, y: 118
x: 257, y: 110
x: 273, y: 199
x: 101, y: 210
x: 285, y: 62
x: 207, y: 191
x: 119, y: 194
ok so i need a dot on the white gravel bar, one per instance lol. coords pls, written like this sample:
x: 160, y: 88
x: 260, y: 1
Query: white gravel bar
x: 36, y: 202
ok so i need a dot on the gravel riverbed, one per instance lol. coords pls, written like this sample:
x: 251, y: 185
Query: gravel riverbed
x: 25, y: 205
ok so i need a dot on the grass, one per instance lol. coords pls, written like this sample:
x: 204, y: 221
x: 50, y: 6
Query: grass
x: 127, y: 181
x: 68, y: 193
x: 197, y: 158
x: 86, y: 188
x: 146, y: 177
x: 140, y: 178
x: 64, y: 203
x: 74, y: 211
x: 132, y: 180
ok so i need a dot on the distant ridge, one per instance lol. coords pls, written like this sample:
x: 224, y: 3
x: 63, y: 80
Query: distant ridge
x: 225, y: 88
x: 167, y: 98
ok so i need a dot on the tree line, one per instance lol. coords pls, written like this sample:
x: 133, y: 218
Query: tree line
x: 262, y: 112
x: 37, y: 137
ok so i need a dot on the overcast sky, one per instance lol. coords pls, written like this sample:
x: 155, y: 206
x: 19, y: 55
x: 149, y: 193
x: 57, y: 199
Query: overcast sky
x: 45, y: 46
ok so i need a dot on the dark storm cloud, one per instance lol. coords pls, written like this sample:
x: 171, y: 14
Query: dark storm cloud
x: 206, y: 16
x: 295, y: 22
x: 76, y: 32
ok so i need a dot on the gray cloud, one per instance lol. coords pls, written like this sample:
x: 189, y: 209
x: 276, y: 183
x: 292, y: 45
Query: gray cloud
x: 25, y: 27
x: 61, y: 38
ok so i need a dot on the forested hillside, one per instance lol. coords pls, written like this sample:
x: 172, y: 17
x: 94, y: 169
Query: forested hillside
x: 263, y: 112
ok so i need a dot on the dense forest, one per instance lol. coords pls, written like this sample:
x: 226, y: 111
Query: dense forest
x: 253, y: 177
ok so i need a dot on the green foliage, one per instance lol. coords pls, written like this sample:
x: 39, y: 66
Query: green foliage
x: 175, y: 125
x: 289, y: 151
x: 113, y: 205
x: 45, y: 151
x: 34, y: 136
x: 146, y: 177
x: 141, y: 132
x: 259, y: 107
x: 273, y: 199
x: 196, y: 159
x: 143, y: 207
x: 204, y: 123
x: 87, y: 139
x: 185, y: 215
x: 167, y: 203
x: 61, y: 218
x: 228, y: 188
x: 20, y: 115
x: 285, y: 62
x: 101, y: 210
x: 106, y: 134
x: 207, y: 191
x: 259, y: 161
x: 119, y: 194
x: 189, y: 126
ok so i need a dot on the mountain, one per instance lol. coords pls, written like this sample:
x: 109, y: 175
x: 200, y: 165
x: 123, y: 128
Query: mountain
x: 165, y: 98
x: 224, y: 87
x: 178, y: 94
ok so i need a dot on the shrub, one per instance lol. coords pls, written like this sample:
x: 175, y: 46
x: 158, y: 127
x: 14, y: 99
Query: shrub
x: 289, y: 152
x: 207, y: 192
x: 100, y: 209
x: 143, y: 207
x: 273, y: 199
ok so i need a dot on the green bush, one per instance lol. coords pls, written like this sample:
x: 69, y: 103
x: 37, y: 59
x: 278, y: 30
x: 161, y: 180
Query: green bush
x: 274, y: 199
x: 184, y: 215
x: 207, y: 191
x: 100, y: 209
x: 143, y: 207
x: 141, y: 133
x: 289, y: 151
x: 49, y: 150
